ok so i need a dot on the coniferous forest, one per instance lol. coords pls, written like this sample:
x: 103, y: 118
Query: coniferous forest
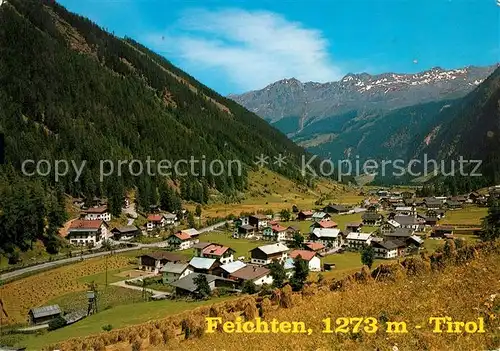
x: 71, y: 91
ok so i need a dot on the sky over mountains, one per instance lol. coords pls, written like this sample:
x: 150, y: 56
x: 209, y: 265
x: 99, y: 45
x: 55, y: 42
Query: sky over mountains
x: 238, y: 46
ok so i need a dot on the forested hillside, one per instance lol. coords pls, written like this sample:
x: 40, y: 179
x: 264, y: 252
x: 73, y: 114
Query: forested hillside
x: 69, y: 90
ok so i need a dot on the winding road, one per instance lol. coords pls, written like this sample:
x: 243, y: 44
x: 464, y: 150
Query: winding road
x: 54, y: 264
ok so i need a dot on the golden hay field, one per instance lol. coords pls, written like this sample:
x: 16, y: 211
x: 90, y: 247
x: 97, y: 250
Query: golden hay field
x: 21, y: 295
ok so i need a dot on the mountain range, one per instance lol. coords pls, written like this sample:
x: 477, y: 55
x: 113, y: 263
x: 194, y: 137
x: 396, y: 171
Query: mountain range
x: 369, y: 116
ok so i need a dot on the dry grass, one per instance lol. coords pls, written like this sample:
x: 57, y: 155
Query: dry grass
x: 21, y: 295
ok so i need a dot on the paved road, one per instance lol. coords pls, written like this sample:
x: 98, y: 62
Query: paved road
x: 122, y: 284
x: 49, y: 265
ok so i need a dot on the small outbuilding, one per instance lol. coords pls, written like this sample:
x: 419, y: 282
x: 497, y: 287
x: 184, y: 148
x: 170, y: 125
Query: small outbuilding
x: 43, y: 315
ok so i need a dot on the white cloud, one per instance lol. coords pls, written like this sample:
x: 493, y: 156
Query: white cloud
x: 251, y: 49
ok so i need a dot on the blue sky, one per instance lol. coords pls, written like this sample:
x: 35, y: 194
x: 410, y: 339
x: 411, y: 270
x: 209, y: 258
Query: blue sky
x: 235, y: 46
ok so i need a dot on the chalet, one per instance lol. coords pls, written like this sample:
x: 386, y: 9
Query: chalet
x: 125, y: 233
x: 409, y: 202
x: 84, y: 232
x: 311, y: 257
x: 409, y: 222
x: 304, y: 215
x: 331, y: 238
x: 98, y: 213
x: 155, y: 221
x: 154, y: 261
x: 291, y: 231
x: 227, y: 269
x: 322, y: 224
x: 257, y: 274
x: 442, y: 231
x: 452, y: 205
x: 180, y: 241
x: 258, y: 221
x: 277, y: 233
x: 314, y: 246
x: 174, y: 271
x: 170, y: 219
x: 389, y: 225
x: 186, y: 286
x: 414, y: 241
x: 433, y: 203
x: 338, y: 209
x: 204, y: 265
x: 193, y: 234
x: 241, y: 221
x: 474, y: 196
x: 399, y: 233
x: 320, y: 216
x: 388, y: 249
x: 221, y: 253
x: 406, y: 211
x: 353, y: 227
x: 356, y: 241
x: 44, y: 315
x: 459, y: 198
x: 372, y: 218
x: 268, y: 253
x: 244, y: 231
x: 199, y: 246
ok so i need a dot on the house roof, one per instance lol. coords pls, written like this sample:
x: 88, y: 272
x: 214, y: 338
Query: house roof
x: 319, y: 214
x: 339, y: 208
x: 400, y: 232
x: 326, y: 224
x: 259, y: 216
x: 406, y: 220
x: 371, y: 216
x: 389, y: 244
x: 126, y: 229
x: 315, y: 246
x: 278, y: 228
x: 417, y: 239
x: 233, y: 266
x: 169, y: 215
x: 191, y: 232
x: 443, y: 227
x: 326, y: 232
x: 98, y: 209
x: 247, y: 227
x: 304, y: 254
x: 183, y: 236
x: 358, y: 236
x: 202, y: 262
x: 251, y: 272
x: 201, y: 245
x: 354, y: 224
x: 433, y: 201
x: 155, y: 218
x: 80, y: 224
x: 404, y: 208
x: 177, y: 268
x: 45, y: 311
x: 165, y: 255
x: 272, y: 248
x: 289, y: 264
x: 187, y: 282
x: 217, y: 250
x: 393, y: 223
x: 307, y: 213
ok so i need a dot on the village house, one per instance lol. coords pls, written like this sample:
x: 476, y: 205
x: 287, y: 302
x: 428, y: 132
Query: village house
x: 44, y: 315
x: 322, y: 224
x: 199, y: 246
x: 311, y: 257
x: 257, y: 274
x: 204, y: 265
x: 277, y: 233
x: 399, y: 233
x: 337, y: 209
x: 221, y: 253
x: 409, y: 222
x: 314, y: 246
x: 388, y: 249
x: 174, y: 271
x: 266, y: 254
x: 304, y: 215
x: 258, y: 221
x: 389, y: 225
x: 406, y: 211
x: 432, y: 203
x: 153, y: 262
x: 86, y: 232
x: 353, y: 227
x: 356, y: 241
x: 372, y: 218
x: 227, y: 269
x: 331, y: 238
x: 99, y: 213
x: 442, y: 231
x: 453, y: 205
x: 186, y: 286
x: 155, y: 221
x: 244, y: 231
x: 124, y: 233
x: 320, y: 216
x: 180, y: 241
x: 414, y: 241
x: 170, y: 219
x: 241, y: 221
